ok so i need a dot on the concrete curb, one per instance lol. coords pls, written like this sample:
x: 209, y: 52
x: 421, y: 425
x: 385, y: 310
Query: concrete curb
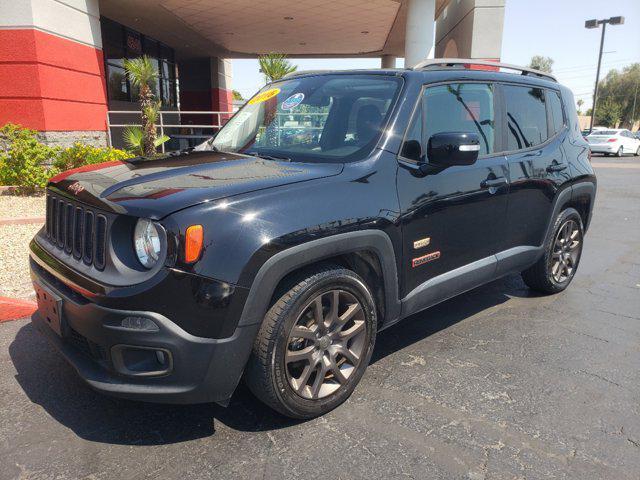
x: 15, y: 309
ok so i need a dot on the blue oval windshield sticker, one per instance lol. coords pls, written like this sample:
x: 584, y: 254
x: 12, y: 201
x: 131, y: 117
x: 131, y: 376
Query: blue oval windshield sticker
x: 293, y: 101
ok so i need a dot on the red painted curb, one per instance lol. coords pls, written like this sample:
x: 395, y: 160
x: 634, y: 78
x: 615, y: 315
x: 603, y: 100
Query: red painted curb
x: 14, y: 309
x: 21, y: 221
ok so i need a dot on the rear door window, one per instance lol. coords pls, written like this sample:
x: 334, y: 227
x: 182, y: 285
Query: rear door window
x: 526, y: 117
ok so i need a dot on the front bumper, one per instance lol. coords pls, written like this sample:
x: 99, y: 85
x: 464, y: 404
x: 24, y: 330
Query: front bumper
x: 93, y: 341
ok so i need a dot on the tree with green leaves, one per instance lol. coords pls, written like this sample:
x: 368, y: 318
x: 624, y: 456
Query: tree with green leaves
x: 274, y: 66
x: 142, y: 73
x: 579, y: 103
x: 539, y: 62
x: 619, y: 97
x: 236, y: 95
x: 608, y: 113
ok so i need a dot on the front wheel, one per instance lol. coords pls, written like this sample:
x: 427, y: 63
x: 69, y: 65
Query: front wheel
x: 557, y: 267
x: 314, y: 344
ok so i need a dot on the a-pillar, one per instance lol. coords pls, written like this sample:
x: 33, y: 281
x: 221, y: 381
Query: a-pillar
x: 52, y: 70
x: 419, y: 33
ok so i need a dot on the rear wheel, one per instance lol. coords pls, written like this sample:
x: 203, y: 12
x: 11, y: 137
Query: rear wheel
x: 638, y: 151
x: 557, y: 267
x: 619, y: 152
x: 314, y: 344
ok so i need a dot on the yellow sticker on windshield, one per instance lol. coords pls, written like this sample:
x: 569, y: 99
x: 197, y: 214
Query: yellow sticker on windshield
x: 264, y: 96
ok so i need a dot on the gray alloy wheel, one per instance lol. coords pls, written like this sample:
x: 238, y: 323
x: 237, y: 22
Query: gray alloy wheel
x: 325, y: 345
x: 566, y: 251
x: 619, y: 152
x: 555, y: 269
x: 314, y: 343
x: 638, y: 151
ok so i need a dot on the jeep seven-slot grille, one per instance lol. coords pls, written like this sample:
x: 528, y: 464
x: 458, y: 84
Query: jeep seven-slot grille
x: 78, y: 230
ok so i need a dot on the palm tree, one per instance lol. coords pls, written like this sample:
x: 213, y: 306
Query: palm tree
x: 134, y: 136
x: 275, y: 66
x: 141, y: 72
x: 580, y: 102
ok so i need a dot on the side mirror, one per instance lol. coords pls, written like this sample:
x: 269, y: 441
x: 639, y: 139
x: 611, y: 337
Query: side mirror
x: 453, y: 148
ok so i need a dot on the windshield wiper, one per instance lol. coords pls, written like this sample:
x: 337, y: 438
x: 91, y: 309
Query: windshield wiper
x: 268, y: 157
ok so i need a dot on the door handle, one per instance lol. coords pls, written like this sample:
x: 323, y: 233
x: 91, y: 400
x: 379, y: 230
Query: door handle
x: 556, y: 167
x: 493, y: 182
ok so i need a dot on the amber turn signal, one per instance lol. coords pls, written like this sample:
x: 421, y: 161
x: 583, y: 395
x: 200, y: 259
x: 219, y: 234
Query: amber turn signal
x: 193, y: 239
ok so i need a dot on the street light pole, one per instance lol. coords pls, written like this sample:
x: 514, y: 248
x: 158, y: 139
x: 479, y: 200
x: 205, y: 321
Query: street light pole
x: 594, y: 24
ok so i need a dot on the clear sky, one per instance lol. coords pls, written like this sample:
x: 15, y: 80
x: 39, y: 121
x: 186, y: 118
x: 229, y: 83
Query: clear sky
x: 553, y: 28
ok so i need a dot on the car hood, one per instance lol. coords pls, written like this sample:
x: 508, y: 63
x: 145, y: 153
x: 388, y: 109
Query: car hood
x: 154, y: 188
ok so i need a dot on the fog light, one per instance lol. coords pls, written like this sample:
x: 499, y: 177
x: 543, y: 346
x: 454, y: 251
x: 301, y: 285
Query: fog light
x: 139, y: 323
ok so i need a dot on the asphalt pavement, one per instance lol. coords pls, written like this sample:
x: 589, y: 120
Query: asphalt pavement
x: 499, y: 383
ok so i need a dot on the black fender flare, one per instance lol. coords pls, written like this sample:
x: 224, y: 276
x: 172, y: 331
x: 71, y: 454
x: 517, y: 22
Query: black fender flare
x: 581, y: 190
x: 568, y: 195
x: 282, y: 263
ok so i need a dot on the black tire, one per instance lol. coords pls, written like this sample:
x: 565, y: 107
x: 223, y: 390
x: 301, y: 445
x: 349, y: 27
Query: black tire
x: 619, y: 152
x: 638, y: 152
x: 542, y: 276
x: 268, y: 375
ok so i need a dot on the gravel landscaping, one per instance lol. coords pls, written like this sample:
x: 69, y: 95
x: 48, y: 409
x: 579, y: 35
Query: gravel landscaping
x: 13, y: 206
x: 14, y: 260
x: 14, y: 247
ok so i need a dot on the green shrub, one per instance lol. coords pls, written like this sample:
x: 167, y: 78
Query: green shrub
x: 23, y: 159
x: 28, y: 164
x: 80, y: 154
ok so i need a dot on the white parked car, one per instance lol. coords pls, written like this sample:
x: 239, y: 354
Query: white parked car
x: 614, y: 142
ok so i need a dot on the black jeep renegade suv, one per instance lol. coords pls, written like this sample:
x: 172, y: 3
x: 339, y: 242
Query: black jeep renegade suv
x: 332, y: 205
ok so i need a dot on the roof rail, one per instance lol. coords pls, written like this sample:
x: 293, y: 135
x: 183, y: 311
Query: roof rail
x: 306, y: 72
x: 452, y: 62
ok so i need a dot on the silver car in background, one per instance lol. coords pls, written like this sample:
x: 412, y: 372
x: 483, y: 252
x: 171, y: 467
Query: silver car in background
x: 615, y: 141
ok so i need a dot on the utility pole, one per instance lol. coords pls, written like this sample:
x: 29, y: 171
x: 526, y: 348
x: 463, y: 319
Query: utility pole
x: 633, y: 111
x: 594, y: 24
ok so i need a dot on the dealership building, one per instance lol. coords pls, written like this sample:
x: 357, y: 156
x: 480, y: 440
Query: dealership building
x: 61, y: 61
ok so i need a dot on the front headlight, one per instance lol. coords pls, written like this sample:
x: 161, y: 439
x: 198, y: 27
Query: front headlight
x: 146, y: 240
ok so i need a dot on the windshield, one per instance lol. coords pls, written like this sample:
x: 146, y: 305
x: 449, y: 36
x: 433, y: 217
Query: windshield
x: 330, y: 118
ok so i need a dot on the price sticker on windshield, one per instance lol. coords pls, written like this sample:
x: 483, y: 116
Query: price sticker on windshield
x: 264, y: 96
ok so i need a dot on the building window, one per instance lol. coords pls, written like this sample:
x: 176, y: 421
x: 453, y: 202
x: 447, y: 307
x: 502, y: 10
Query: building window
x: 119, y: 43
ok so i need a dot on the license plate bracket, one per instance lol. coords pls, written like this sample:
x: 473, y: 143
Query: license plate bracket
x: 50, y: 307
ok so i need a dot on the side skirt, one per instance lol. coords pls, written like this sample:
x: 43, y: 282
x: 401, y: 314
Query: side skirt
x: 467, y: 277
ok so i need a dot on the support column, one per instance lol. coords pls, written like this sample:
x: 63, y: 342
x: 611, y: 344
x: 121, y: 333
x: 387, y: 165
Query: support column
x: 52, y: 70
x: 419, y: 34
x: 221, y: 78
x: 388, y: 61
x: 205, y: 84
x: 471, y: 29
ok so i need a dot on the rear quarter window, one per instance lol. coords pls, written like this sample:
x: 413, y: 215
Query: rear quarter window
x: 555, y: 105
